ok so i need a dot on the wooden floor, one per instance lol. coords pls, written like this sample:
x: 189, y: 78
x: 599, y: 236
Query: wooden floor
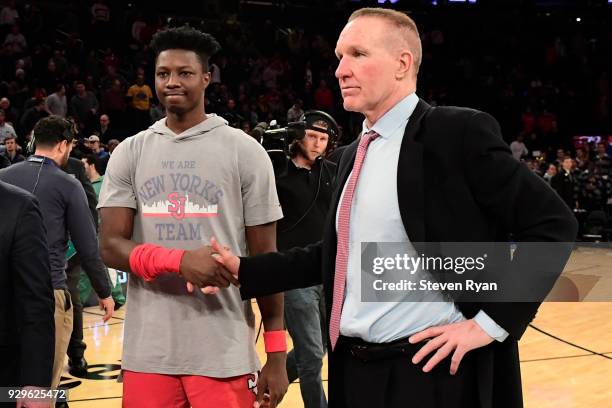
x: 566, y: 356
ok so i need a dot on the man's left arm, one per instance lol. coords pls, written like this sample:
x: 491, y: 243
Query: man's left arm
x: 273, y: 379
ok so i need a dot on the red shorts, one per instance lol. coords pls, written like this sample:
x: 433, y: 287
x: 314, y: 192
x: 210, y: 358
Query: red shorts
x: 182, y: 391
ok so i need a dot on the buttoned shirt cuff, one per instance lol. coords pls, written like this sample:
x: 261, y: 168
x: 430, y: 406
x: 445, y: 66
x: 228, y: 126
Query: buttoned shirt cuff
x: 490, y: 327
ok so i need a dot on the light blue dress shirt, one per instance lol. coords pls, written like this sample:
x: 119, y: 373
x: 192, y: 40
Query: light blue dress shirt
x: 375, y: 217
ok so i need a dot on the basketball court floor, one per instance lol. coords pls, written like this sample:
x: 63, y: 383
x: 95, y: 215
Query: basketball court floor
x: 566, y: 354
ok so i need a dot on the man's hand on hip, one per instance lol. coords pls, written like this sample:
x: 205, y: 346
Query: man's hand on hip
x: 460, y: 337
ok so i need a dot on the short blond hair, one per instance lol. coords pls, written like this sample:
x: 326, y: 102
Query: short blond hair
x: 407, y: 27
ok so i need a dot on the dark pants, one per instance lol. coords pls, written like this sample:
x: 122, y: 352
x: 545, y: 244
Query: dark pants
x: 395, y: 382
x: 76, y: 347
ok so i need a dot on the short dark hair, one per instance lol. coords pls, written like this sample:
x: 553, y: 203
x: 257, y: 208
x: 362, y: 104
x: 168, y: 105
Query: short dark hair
x: 52, y: 130
x: 186, y: 38
x: 91, y: 159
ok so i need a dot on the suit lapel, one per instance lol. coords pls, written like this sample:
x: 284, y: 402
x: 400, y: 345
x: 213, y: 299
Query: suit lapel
x: 410, y: 177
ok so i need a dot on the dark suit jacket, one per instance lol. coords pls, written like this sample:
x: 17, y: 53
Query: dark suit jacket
x: 457, y: 182
x: 27, y: 328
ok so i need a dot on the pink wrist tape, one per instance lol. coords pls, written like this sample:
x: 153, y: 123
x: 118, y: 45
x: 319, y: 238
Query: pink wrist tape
x: 275, y: 341
x: 149, y: 261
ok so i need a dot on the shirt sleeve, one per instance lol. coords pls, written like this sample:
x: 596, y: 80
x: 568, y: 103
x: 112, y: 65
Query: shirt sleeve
x: 118, y: 185
x: 490, y: 327
x: 83, y: 235
x: 259, y: 197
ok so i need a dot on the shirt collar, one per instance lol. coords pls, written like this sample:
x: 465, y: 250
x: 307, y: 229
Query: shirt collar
x: 395, y: 117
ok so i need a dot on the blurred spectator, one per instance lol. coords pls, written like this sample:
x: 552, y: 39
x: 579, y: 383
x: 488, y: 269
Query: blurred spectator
x: 6, y: 129
x: 582, y: 159
x: 519, y: 150
x: 9, y: 14
x: 105, y: 131
x: 295, y: 112
x: 11, y: 114
x: 547, y: 122
x: 602, y: 158
x: 565, y: 184
x: 324, y: 98
x: 111, y: 77
x: 550, y: 173
x: 231, y: 114
x: 51, y: 77
x: 112, y: 145
x: 84, y: 106
x: 92, y: 172
x: 114, y: 103
x: 528, y: 121
x: 56, y: 102
x: 215, y: 74
x: 33, y: 115
x: 561, y: 155
x: 140, y: 96
x: 14, y: 42
x: 10, y: 152
x: 4, y: 162
x: 157, y: 111
x: 96, y: 148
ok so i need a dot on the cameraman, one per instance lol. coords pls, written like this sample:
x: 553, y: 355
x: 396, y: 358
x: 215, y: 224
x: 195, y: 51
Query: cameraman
x: 304, y: 192
x: 65, y: 213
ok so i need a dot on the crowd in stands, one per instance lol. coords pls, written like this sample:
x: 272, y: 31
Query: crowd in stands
x: 543, y: 76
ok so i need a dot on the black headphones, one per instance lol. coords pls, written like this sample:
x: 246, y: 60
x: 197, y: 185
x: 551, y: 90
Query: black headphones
x: 312, y: 116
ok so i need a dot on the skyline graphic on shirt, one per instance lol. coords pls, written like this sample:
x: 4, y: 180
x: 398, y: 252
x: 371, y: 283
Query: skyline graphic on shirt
x: 178, y: 207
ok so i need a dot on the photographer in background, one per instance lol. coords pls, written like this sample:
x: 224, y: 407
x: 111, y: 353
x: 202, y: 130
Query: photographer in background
x: 304, y: 191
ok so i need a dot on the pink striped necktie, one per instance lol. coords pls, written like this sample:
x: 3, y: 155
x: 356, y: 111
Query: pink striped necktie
x: 344, y: 216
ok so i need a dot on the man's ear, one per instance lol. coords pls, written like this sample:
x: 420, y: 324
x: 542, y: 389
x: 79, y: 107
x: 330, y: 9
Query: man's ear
x: 206, y: 76
x: 405, y: 63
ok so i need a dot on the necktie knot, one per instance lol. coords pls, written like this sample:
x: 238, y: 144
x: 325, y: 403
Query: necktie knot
x: 368, y: 137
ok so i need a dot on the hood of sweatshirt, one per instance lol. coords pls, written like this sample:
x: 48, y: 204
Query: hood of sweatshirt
x: 200, y: 130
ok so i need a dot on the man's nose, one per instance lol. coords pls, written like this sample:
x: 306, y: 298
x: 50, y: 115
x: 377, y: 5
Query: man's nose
x: 343, y: 70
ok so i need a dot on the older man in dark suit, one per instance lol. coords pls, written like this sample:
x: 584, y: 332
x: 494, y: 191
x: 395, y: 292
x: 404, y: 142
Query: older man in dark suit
x: 27, y: 328
x: 418, y: 174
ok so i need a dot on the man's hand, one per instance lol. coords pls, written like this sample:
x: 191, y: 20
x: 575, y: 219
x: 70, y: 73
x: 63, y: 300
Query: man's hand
x: 223, y: 256
x: 461, y: 337
x: 199, y: 268
x: 108, y: 305
x: 34, y: 403
x: 273, y: 381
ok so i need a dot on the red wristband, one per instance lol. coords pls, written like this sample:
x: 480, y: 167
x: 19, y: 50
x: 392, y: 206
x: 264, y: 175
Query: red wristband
x: 275, y: 341
x: 149, y: 261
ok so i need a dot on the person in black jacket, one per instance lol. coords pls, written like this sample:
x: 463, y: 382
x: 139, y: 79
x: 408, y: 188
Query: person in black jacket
x: 76, y: 347
x: 418, y: 174
x: 26, y: 296
x: 565, y: 183
x: 65, y: 214
x: 304, y: 192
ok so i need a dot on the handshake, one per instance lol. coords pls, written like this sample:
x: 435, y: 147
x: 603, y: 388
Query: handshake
x: 210, y: 268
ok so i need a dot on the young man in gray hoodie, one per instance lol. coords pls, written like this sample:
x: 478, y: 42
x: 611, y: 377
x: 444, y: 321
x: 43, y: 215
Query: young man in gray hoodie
x: 166, y: 192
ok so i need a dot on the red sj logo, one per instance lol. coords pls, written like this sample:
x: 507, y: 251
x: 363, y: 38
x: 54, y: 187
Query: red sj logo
x: 177, y: 205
